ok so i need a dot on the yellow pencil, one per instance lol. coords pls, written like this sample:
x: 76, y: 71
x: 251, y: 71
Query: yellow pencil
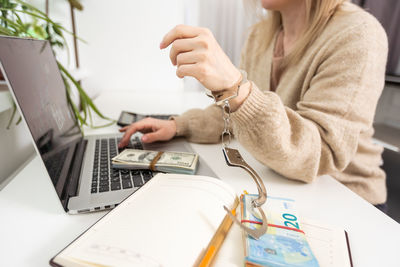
x: 218, y: 238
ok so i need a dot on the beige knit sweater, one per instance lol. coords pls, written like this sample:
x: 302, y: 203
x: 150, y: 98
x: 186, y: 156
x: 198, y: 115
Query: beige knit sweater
x: 319, y: 120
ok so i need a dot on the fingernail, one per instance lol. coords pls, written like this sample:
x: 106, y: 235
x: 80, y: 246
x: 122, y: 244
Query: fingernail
x: 161, y: 45
x: 144, y: 138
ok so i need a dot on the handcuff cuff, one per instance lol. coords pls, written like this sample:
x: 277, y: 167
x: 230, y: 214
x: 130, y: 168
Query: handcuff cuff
x: 233, y: 157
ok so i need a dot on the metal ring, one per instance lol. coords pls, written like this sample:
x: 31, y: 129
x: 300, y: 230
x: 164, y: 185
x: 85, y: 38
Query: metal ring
x: 224, y: 134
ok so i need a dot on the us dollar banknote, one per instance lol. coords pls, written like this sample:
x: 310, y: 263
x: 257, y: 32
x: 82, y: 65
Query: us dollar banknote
x: 169, y: 161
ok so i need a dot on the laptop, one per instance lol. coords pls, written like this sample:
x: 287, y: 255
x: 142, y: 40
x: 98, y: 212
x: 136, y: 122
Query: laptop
x: 78, y: 166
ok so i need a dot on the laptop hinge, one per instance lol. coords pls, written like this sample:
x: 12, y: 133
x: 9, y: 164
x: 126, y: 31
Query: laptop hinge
x: 77, y: 163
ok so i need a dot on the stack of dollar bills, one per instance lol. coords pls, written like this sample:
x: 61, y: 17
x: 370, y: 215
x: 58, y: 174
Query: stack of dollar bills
x: 284, y: 243
x: 170, y: 162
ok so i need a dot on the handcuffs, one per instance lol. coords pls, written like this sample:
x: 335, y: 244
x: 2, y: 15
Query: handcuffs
x: 234, y: 159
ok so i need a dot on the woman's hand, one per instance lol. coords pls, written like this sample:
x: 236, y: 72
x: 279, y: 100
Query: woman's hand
x: 196, y: 53
x: 154, y: 129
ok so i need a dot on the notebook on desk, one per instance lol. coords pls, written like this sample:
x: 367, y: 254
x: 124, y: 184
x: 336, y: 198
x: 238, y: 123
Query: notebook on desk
x: 171, y: 229
x: 144, y: 231
x: 79, y: 167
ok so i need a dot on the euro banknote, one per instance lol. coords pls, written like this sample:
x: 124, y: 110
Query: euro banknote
x: 284, y: 243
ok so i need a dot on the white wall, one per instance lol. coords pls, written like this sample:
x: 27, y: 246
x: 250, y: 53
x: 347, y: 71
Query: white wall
x: 122, y: 50
x: 123, y: 44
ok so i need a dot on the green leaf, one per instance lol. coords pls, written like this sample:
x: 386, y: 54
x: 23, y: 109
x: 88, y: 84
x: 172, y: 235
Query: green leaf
x: 40, y: 32
x: 7, y: 31
x: 86, y: 101
x: 19, y: 120
x: 56, y: 29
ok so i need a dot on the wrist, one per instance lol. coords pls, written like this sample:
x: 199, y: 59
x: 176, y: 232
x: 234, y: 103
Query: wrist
x: 180, y: 125
x: 228, y: 94
x: 243, y: 93
x: 174, y: 127
x: 232, y: 83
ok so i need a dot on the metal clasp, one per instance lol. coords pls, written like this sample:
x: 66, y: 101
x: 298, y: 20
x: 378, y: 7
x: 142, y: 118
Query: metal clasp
x: 233, y: 158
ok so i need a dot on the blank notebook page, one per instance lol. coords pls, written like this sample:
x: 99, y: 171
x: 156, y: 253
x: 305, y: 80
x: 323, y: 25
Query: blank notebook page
x: 168, y: 222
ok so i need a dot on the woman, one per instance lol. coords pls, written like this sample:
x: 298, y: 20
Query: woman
x: 315, y: 73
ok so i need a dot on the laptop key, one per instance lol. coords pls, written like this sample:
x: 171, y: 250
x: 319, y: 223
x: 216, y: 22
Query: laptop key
x: 147, y: 176
x: 104, y: 179
x: 126, y: 184
x: 104, y: 189
x: 137, y: 180
x: 135, y: 172
x: 115, y: 179
x: 103, y: 183
x: 94, y: 190
x: 115, y: 186
x: 125, y: 176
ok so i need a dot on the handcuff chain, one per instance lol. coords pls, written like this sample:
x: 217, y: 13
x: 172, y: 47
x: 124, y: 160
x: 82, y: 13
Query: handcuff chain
x: 233, y: 158
x: 226, y: 114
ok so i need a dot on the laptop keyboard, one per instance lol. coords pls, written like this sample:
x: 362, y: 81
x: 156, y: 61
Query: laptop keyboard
x: 55, y: 164
x: 105, y: 178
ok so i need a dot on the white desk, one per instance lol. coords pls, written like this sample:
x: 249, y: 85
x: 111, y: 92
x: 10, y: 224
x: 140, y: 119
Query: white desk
x: 34, y: 226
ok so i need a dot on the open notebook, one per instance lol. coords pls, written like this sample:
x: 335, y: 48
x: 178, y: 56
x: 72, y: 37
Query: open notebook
x: 330, y: 244
x: 169, y: 222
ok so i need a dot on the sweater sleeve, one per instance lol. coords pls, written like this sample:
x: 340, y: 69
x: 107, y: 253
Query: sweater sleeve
x: 201, y: 125
x: 321, y: 135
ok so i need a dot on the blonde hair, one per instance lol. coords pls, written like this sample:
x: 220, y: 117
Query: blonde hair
x: 318, y: 13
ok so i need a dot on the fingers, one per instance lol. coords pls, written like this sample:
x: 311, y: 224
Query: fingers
x: 142, y: 125
x: 189, y: 58
x: 123, y: 129
x: 197, y: 71
x: 166, y: 131
x: 186, y: 70
x: 181, y: 46
x: 153, y: 136
x: 179, y: 32
x: 125, y: 139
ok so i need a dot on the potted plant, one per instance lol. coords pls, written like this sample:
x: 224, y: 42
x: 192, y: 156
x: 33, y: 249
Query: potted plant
x: 21, y: 19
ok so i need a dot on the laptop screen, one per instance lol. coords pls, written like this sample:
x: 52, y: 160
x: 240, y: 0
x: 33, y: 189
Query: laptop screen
x: 32, y: 72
